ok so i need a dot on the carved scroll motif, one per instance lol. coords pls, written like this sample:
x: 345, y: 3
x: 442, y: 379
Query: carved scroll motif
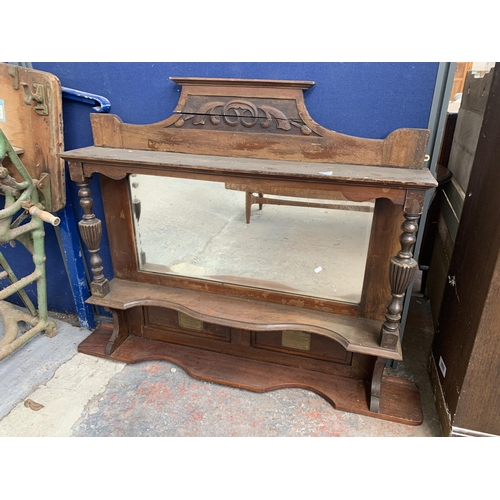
x: 241, y: 112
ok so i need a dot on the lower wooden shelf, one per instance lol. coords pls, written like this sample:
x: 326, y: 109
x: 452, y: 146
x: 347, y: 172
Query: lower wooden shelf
x: 399, y: 398
x: 357, y: 335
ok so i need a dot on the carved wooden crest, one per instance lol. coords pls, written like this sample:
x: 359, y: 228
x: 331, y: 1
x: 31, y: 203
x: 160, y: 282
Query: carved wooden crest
x: 264, y: 119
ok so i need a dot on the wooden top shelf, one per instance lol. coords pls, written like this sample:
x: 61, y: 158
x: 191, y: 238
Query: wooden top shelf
x: 132, y: 161
x: 242, y: 82
x: 353, y: 333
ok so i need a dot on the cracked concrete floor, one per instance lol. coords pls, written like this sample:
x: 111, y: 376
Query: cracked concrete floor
x: 73, y: 394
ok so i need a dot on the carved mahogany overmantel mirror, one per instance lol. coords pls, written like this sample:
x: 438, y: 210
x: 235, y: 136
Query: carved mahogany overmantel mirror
x: 245, y: 235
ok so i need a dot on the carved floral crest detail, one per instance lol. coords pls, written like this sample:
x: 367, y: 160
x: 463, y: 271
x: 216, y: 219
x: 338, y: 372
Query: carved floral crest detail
x: 241, y: 112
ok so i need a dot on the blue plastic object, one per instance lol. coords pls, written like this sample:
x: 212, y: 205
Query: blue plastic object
x: 69, y: 242
x: 102, y: 104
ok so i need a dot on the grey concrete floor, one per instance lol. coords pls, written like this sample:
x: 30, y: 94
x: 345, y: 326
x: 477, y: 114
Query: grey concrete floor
x: 79, y: 395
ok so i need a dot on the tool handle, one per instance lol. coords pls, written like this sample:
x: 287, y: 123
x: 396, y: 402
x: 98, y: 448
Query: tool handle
x: 45, y: 216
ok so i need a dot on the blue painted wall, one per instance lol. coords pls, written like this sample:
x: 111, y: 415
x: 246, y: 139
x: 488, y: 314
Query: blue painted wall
x: 363, y: 99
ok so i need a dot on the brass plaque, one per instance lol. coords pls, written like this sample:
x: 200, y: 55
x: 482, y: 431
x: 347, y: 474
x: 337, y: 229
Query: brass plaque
x: 190, y: 323
x: 296, y: 340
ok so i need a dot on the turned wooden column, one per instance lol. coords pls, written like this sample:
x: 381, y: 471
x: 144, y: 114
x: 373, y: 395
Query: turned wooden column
x: 402, y: 269
x: 91, y: 232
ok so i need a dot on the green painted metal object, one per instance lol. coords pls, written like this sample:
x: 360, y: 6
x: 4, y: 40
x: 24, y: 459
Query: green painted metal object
x: 22, y: 219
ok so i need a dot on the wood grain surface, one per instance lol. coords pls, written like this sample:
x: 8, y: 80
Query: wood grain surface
x: 353, y: 333
x: 399, y: 399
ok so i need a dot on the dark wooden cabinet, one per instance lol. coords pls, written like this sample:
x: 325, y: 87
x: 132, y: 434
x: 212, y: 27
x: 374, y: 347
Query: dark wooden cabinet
x: 466, y: 350
x: 228, y: 325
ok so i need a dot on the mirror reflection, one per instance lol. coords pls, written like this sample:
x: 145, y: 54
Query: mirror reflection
x: 306, y: 246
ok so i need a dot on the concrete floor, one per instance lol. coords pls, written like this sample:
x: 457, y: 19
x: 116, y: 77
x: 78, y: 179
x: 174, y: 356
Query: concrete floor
x: 83, y: 396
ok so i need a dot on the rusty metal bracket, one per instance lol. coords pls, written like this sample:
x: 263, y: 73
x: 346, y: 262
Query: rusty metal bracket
x: 38, y: 95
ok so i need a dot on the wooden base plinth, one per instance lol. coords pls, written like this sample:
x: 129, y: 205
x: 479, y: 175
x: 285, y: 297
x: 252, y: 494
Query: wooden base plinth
x: 399, y: 398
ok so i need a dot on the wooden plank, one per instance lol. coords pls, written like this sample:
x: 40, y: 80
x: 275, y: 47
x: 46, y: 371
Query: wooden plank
x: 122, y: 244
x: 469, y: 121
x: 464, y: 145
x: 243, y: 82
x: 384, y: 244
x: 479, y: 401
x: 354, y: 334
x: 327, y: 173
x: 399, y: 401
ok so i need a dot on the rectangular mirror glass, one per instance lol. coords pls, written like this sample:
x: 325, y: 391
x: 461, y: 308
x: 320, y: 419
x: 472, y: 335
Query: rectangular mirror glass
x: 198, y: 229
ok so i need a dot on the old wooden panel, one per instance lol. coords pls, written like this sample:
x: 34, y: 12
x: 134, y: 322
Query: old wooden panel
x: 467, y: 337
x: 35, y: 126
x: 469, y: 121
x: 384, y: 244
x: 465, y: 134
x: 121, y: 235
x: 256, y: 119
x: 464, y: 145
x: 479, y: 401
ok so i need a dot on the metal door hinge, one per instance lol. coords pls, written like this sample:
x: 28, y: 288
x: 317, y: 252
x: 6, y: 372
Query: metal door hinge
x: 38, y: 96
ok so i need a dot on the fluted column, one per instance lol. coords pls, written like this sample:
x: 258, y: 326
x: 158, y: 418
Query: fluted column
x: 91, y: 232
x: 401, y: 273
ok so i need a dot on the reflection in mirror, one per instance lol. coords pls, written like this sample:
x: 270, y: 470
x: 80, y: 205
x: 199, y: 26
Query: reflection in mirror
x: 198, y: 229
